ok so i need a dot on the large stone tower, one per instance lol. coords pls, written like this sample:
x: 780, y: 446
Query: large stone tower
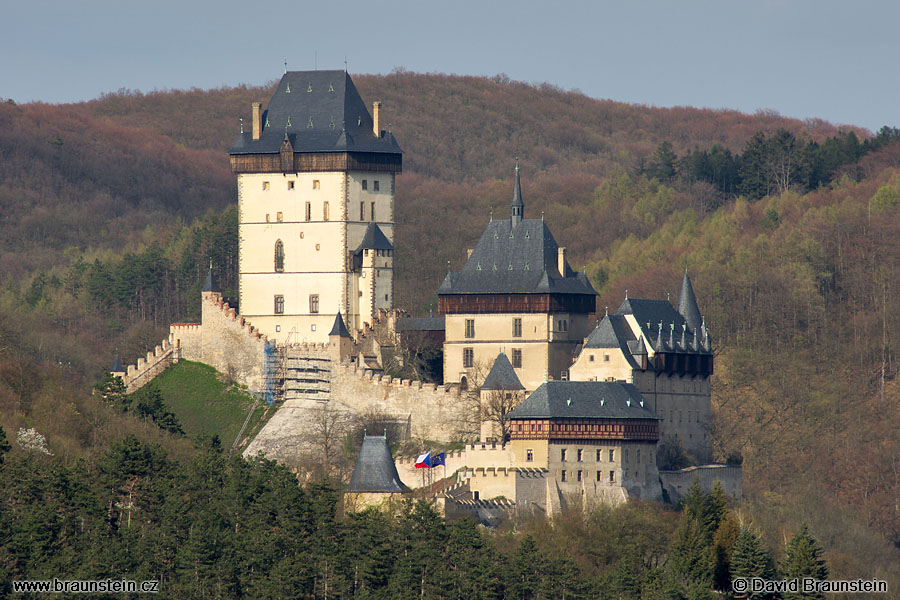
x: 315, y: 177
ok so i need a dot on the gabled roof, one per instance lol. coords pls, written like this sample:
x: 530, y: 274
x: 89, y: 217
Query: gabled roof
x: 319, y: 111
x: 584, y: 400
x: 515, y: 260
x: 339, y: 328
x: 502, y: 376
x: 374, y: 239
x: 210, y: 285
x: 375, y: 470
x: 614, y: 332
x: 687, y: 304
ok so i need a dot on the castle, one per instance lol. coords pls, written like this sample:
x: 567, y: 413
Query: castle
x: 562, y: 410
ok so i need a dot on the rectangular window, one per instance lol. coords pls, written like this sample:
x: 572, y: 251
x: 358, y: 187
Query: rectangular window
x: 365, y: 184
x: 517, y: 327
x: 517, y: 358
x: 579, y: 475
x: 308, y: 211
x: 599, y: 455
x: 470, y: 328
x: 562, y: 475
x: 279, y: 305
x: 362, y: 211
x: 612, y: 456
x: 315, y: 184
x: 279, y: 217
x: 529, y: 455
x: 599, y: 475
x: 373, y: 211
x: 562, y: 454
x: 265, y: 185
x: 376, y: 186
x: 590, y: 358
x: 325, y: 211
x: 612, y: 476
x: 290, y: 185
x: 314, y: 303
x: 580, y: 454
x: 468, y: 358
x: 606, y: 358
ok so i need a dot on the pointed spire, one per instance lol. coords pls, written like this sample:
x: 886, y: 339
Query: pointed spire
x: 517, y: 207
x: 687, y: 303
x: 210, y: 284
x: 339, y: 329
x: 117, y: 365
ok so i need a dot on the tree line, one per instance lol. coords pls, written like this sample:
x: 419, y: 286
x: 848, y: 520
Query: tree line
x: 218, y: 526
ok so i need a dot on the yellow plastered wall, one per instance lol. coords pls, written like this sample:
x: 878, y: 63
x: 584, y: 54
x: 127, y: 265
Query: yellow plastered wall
x: 317, y: 219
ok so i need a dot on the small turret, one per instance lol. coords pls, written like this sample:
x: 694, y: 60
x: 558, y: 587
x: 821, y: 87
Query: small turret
x: 687, y: 303
x: 210, y: 285
x: 517, y: 207
x: 339, y: 341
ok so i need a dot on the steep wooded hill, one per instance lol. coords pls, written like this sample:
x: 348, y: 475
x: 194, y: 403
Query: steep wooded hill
x: 798, y: 287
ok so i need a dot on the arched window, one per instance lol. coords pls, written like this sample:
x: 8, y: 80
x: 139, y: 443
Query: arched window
x: 279, y: 256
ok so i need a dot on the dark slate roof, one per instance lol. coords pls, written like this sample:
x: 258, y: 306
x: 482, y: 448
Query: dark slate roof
x: 117, y: 365
x: 520, y: 260
x: 687, y: 304
x: 375, y: 470
x: 583, y: 400
x: 502, y: 376
x: 210, y: 284
x: 322, y: 112
x: 374, y: 239
x: 664, y: 326
x: 339, y: 328
x: 517, y: 190
x: 614, y: 332
x: 421, y: 324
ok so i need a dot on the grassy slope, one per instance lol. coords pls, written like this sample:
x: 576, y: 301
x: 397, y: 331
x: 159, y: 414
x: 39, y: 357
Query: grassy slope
x: 205, y: 406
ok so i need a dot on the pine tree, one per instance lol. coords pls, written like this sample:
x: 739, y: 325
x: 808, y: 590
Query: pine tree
x: 749, y: 558
x: 803, y: 558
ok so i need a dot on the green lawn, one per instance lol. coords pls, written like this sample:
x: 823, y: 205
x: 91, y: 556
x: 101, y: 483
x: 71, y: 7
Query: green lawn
x: 204, y: 405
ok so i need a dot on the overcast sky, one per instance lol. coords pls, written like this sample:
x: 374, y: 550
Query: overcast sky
x: 832, y: 59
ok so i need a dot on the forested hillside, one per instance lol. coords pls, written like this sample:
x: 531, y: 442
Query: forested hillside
x: 110, y: 211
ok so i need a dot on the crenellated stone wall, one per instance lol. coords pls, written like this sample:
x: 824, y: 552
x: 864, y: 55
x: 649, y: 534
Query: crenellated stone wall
x: 156, y: 361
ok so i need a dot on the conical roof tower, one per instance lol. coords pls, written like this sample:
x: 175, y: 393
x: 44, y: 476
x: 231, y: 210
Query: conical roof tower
x: 687, y: 304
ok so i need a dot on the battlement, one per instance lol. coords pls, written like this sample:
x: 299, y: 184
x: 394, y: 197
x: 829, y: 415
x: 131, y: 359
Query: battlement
x: 155, y: 362
x: 365, y: 373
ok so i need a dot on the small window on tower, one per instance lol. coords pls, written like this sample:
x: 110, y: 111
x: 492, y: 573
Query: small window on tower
x: 290, y: 185
x: 365, y: 184
x: 376, y: 186
x: 362, y: 210
x: 470, y: 328
x: 325, y: 211
x: 279, y: 256
x: 279, y: 217
x: 517, y: 358
x: 314, y: 303
x: 517, y: 327
x: 562, y: 475
x: 279, y: 305
x: 529, y: 455
x: 468, y: 358
x: 265, y: 185
x: 373, y: 211
x: 308, y: 211
x: 315, y: 184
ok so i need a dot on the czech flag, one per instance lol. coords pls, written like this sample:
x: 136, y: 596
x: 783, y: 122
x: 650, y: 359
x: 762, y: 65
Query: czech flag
x: 424, y: 461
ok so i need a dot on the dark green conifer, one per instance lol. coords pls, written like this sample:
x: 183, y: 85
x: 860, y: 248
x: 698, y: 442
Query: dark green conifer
x: 803, y: 558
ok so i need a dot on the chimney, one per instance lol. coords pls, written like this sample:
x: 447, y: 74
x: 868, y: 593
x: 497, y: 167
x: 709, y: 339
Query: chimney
x: 256, y: 118
x: 376, y: 122
x: 469, y: 252
x: 561, y: 262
